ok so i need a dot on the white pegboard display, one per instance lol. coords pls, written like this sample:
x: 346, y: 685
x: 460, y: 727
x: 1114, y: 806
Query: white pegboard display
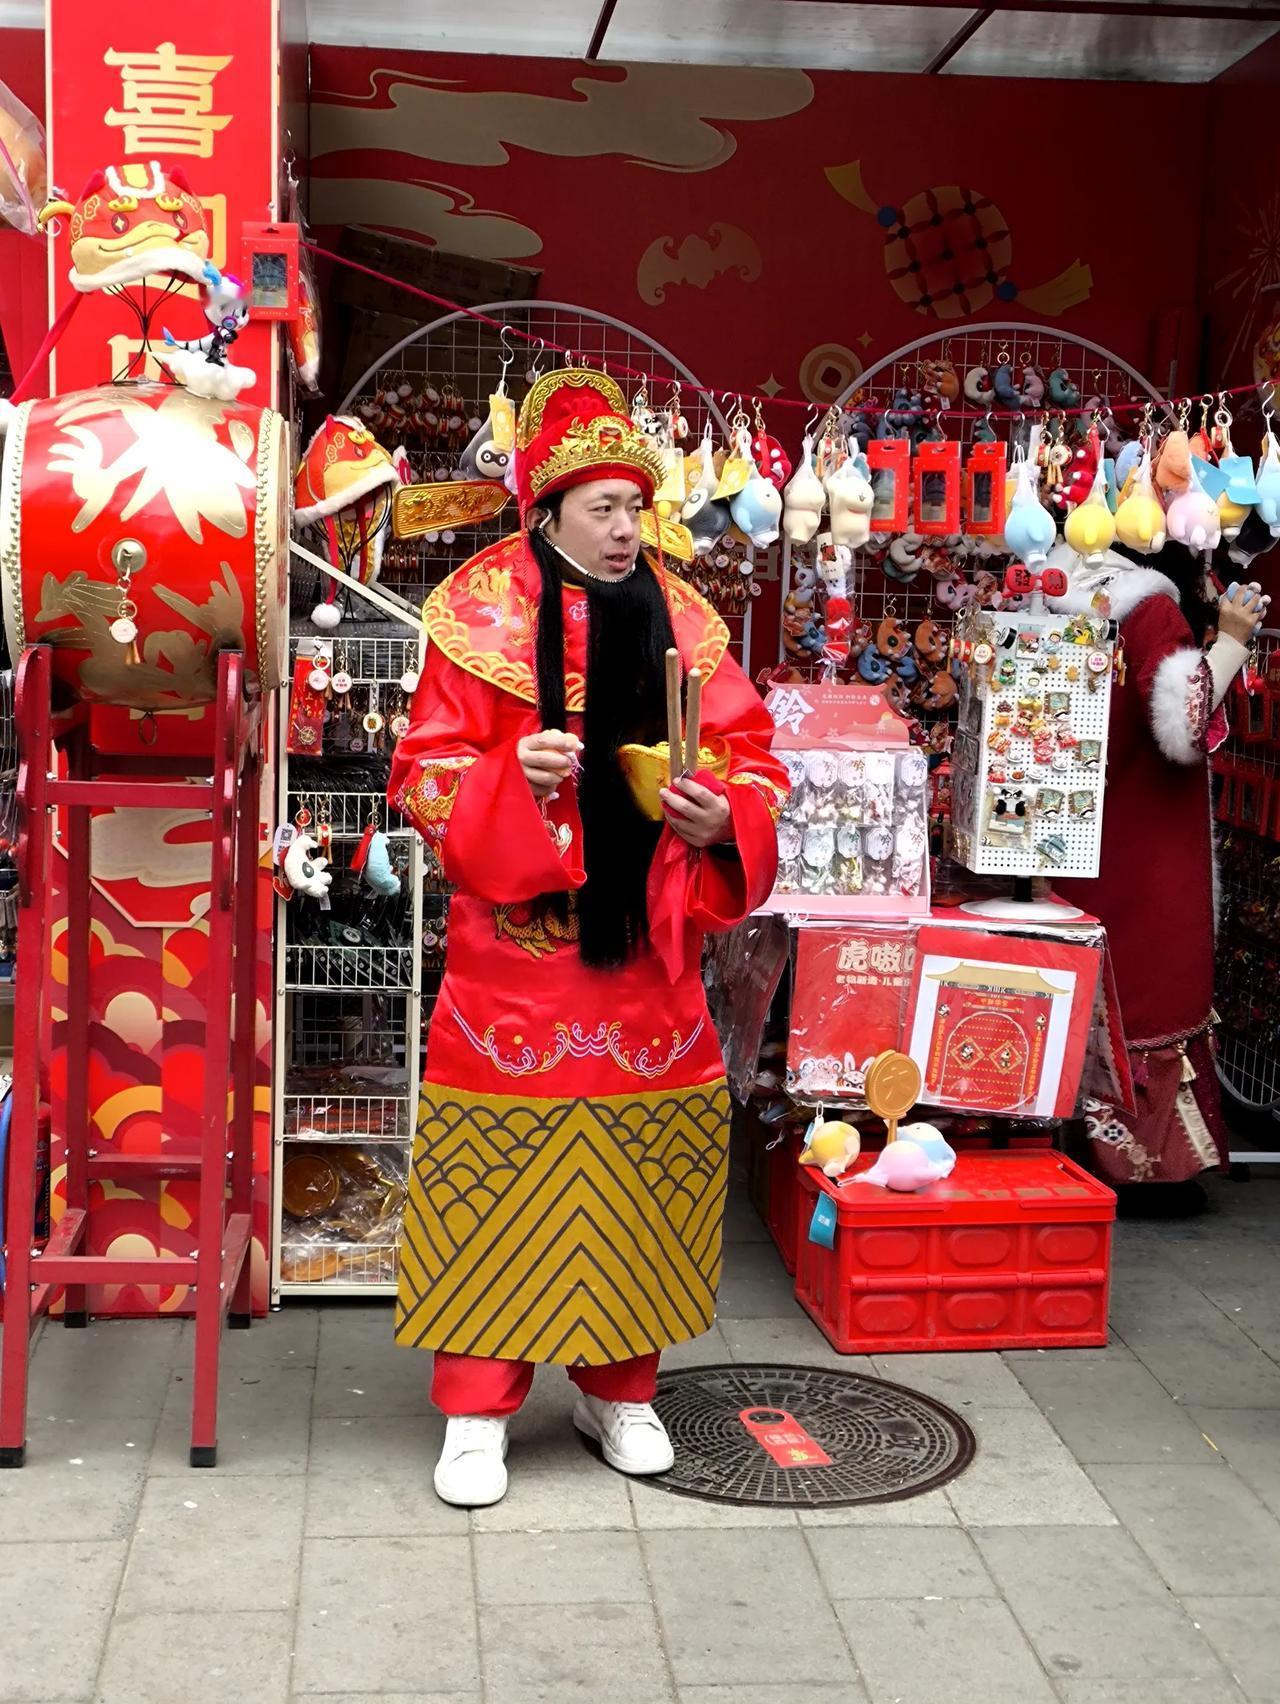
x: 1030, y: 753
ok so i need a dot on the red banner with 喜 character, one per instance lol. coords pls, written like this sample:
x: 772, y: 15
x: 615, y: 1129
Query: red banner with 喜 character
x: 193, y: 90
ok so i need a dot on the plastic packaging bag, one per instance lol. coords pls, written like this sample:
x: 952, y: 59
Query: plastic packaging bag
x: 23, y: 183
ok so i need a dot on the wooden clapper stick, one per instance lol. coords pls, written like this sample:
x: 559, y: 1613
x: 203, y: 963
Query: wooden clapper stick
x: 682, y: 747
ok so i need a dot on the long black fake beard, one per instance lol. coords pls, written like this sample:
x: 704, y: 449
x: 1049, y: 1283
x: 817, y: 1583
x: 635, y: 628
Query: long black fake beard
x: 628, y: 636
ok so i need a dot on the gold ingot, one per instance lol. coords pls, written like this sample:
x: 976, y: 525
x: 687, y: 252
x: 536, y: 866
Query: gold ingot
x: 418, y: 509
x: 648, y: 770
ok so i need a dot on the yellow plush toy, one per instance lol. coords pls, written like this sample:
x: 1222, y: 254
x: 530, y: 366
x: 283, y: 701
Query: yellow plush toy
x: 831, y: 1147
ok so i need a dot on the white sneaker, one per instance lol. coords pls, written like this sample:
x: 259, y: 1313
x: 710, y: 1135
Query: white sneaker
x: 630, y: 1434
x: 471, y: 1472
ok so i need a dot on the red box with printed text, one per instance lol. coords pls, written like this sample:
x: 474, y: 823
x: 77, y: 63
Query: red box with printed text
x: 1012, y: 1251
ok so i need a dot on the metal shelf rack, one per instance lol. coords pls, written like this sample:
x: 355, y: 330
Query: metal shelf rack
x: 348, y: 1018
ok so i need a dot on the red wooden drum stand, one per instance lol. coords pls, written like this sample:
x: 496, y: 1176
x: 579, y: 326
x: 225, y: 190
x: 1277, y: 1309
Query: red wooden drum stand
x: 218, y: 1271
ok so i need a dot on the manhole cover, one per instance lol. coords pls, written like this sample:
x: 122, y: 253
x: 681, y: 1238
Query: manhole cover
x: 805, y: 1438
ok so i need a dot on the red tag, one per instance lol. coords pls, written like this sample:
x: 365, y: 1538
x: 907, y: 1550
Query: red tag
x: 891, y: 459
x: 984, y: 484
x: 306, y: 714
x: 936, y: 489
x: 784, y: 1438
x: 361, y: 852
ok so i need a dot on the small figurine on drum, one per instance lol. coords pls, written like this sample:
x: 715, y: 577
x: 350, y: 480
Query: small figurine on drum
x: 201, y: 363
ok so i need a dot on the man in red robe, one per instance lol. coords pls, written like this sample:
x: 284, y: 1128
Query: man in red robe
x: 568, y: 1177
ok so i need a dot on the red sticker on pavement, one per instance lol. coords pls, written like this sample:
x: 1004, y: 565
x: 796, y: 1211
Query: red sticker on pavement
x: 784, y: 1438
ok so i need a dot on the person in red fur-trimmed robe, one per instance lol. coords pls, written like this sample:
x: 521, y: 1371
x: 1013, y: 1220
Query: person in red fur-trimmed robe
x: 1155, y: 887
x: 567, y: 1184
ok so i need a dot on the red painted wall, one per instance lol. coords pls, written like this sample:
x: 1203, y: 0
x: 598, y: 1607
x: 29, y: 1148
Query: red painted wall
x: 584, y: 171
x: 1239, y: 282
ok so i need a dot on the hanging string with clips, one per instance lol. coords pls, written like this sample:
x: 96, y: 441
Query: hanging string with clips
x: 1266, y: 391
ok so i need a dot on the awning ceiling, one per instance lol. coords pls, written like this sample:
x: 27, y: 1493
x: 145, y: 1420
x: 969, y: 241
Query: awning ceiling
x: 1168, y: 41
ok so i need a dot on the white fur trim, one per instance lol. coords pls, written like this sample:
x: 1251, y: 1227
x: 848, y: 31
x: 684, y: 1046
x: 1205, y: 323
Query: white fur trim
x: 1124, y: 586
x: 1180, y: 705
x: 148, y: 191
x: 144, y: 263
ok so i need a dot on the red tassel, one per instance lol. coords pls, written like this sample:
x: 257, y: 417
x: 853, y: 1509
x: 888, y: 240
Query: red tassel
x: 361, y: 852
x: 1142, y: 1072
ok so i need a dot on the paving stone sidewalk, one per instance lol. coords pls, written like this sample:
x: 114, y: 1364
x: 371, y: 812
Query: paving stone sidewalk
x: 1116, y: 1541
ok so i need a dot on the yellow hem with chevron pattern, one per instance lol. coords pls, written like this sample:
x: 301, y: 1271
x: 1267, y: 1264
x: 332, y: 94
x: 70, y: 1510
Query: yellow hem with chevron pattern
x: 578, y: 1232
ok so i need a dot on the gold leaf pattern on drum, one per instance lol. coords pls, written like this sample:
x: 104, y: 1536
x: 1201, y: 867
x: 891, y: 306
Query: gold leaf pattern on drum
x: 176, y: 452
x: 174, y: 666
x: 577, y: 1232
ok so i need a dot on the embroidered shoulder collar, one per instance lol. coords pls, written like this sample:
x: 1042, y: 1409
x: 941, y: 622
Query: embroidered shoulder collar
x: 484, y: 615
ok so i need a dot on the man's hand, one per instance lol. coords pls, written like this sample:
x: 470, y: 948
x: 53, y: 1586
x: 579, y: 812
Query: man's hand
x: 1241, y: 611
x: 547, y: 759
x: 699, y: 816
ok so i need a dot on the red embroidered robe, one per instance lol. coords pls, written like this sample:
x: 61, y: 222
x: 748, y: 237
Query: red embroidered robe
x: 568, y: 1175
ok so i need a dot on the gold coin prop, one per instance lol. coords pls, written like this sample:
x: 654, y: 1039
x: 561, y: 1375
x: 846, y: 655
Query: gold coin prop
x: 892, y: 1087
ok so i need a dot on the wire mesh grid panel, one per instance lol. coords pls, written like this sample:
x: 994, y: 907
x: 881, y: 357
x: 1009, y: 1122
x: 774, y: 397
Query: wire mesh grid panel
x: 338, y: 1267
x: 462, y: 361
x: 308, y: 967
x: 915, y: 578
x: 371, y: 659
x: 1247, y: 991
x: 347, y: 815
x: 355, y: 1030
x: 346, y: 1118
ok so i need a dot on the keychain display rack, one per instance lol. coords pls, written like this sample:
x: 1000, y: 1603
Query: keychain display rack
x: 348, y: 1019
x: 461, y: 351
x: 1092, y: 369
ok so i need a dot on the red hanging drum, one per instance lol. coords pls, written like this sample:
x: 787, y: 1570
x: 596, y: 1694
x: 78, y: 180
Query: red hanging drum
x: 144, y: 502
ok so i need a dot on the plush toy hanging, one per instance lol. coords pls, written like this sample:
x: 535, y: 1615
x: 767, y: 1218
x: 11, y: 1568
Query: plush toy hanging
x: 1139, y: 517
x: 1090, y: 528
x: 852, y: 499
x: 372, y: 860
x: 1192, y: 516
x: 1268, y: 482
x: 306, y: 869
x: 804, y: 499
x: 706, y: 516
x: 1028, y: 529
x: 346, y: 479
x: 757, y: 507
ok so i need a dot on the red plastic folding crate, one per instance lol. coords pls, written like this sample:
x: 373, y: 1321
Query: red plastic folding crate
x: 782, y: 1214
x: 1013, y: 1251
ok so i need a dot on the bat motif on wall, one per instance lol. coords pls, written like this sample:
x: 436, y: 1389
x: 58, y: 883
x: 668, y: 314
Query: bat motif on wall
x: 725, y: 249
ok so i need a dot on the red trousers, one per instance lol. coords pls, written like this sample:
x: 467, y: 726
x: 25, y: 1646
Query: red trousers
x: 469, y: 1384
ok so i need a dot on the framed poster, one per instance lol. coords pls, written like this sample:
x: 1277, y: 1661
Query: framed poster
x: 1001, y: 1023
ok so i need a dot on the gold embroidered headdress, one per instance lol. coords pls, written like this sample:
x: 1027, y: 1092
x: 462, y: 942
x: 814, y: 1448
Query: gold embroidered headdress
x: 573, y: 427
